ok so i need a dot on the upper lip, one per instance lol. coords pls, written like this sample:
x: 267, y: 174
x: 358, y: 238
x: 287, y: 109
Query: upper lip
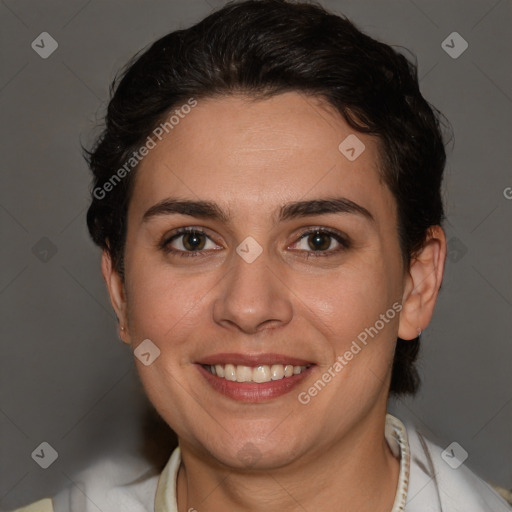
x: 252, y: 359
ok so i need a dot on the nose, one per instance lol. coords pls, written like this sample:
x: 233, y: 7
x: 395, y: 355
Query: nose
x: 253, y: 296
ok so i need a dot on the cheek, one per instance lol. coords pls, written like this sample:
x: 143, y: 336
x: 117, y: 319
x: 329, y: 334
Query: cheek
x: 350, y: 299
x: 162, y: 304
x: 355, y: 311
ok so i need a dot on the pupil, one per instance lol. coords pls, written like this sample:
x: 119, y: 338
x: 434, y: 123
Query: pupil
x: 195, y: 244
x: 317, y: 241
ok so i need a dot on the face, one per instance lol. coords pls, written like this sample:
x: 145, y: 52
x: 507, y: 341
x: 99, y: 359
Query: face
x: 273, y: 280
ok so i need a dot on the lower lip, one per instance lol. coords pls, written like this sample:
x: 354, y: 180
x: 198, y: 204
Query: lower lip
x: 252, y: 391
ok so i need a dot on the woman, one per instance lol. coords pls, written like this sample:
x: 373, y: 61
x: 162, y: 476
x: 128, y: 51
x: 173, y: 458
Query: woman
x: 267, y: 198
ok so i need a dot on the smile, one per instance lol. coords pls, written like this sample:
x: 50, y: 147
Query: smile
x: 258, y: 374
x: 254, y: 378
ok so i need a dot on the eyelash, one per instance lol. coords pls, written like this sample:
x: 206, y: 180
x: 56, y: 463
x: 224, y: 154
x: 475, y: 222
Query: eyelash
x: 341, y: 239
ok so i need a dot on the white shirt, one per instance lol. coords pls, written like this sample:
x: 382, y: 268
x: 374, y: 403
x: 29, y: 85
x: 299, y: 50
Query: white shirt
x: 427, y: 483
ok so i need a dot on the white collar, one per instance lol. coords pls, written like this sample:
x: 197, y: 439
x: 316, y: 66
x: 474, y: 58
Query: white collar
x: 396, y: 436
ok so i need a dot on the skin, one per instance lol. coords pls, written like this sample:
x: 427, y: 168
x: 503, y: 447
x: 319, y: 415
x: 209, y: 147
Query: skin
x: 252, y: 157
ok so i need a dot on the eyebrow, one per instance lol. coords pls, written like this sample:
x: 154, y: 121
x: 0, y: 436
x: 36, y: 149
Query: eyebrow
x: 289, y: 211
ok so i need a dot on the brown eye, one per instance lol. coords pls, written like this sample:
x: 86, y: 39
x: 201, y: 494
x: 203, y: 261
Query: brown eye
x: 187, y: 242
x: 320, y: 242
x: 193, y: 241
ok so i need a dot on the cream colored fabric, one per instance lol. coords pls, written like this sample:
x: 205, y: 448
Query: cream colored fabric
x: 44, y: 505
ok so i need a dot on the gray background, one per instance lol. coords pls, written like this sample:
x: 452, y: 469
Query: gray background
x: 67, y: 379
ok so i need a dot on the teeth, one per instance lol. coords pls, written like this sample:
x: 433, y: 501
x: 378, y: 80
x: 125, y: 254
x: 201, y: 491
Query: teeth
x: 259, y: 374
x: 277, y: 372
x: 230, y: 372
x: 243, y: 373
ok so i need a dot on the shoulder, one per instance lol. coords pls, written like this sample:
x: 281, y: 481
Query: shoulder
x: 109, y: 482
x: 439, y: 480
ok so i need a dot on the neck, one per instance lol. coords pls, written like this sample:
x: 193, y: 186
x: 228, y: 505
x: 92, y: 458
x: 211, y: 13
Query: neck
x: 358, y: 472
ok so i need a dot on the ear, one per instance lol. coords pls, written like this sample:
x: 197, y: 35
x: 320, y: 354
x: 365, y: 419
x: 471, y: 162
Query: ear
x: 117, y: 294
x: 422, y: 284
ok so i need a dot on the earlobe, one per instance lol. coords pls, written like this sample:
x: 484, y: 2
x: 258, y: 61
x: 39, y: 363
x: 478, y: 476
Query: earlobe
x: 422, y: 284
x: 116, y: 291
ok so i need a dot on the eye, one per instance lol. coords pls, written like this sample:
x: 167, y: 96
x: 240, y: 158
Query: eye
x: 193, y: 242
x: 321, y: 241
x: 187, y: 242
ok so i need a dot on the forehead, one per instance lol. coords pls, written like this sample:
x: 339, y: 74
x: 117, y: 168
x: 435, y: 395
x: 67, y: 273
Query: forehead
x: 249, y: 154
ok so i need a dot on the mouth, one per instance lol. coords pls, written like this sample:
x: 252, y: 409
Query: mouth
x: 253, y: 378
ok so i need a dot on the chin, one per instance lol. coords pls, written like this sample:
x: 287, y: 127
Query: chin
x: 246, y: 452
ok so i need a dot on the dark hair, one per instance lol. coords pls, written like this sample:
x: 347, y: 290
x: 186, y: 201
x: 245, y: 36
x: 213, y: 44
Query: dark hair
x: 261, y: 48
